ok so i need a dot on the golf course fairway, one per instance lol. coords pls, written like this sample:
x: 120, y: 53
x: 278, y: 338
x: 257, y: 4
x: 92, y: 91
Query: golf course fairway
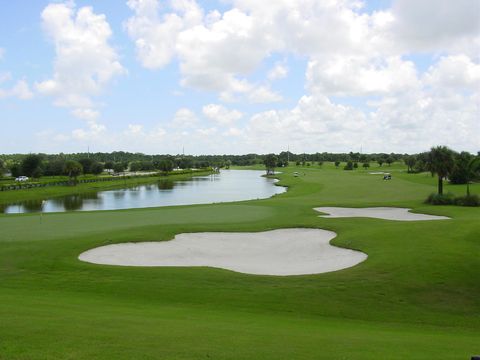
x: 416, y: 296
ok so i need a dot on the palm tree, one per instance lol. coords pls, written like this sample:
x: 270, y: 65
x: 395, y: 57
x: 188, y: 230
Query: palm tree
x: 472, y: 169
x: 440, y: 162
x: 73, y: 169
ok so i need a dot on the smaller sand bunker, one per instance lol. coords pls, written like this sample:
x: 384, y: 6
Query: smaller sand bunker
x: 386, y: 213
x: 278, y: 252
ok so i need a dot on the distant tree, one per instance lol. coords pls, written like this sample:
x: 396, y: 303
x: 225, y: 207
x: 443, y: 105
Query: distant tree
x: 380, y: 161
x: 366, y: 165
x: 97, y: 168
x: 337, y: 164
x: 270, y: 163
x: 297, y: 163
x: 73, y: 169
x: 389, y: 160
x: 185, y: 163
x: 440, y: 162
x: 355, y: 165
x: 2, y: 167
x: 166, y: 166
x: 16, y: 169
x: 31, y: 165
x: 410, y: 161
x: 119, y: 167
x: 473, y: 171
x: 349, y: 165
x: 55, y: 167
x: 86, y: 165
x: 421, y: 162
x: 109, y: 165
x: 460, y: 172
x: 135, y: 166
x: 228, y: 163
x: 147, y: 166
x: 37, y: 173
x: 320, y: 163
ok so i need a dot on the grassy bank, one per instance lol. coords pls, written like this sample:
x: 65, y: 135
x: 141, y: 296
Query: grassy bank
x: 417, y: 296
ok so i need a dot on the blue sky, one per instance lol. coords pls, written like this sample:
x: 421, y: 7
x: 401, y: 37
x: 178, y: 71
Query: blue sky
x: 239, y: 76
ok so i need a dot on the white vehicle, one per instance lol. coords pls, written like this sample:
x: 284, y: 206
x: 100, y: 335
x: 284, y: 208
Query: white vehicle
x: 22, y: 178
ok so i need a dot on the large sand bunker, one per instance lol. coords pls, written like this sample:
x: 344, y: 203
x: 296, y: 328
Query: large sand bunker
x: 387, y: 213
x: 276, y: 252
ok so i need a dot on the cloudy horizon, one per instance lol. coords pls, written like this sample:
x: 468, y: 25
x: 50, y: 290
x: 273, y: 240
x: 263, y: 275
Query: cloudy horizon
x: 239, y: 76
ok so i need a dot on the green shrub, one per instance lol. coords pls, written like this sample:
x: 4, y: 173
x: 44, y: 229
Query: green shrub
x: 441, y: 199
x: 450, y: 199
x: 468, y: 200
x: 349, y: 166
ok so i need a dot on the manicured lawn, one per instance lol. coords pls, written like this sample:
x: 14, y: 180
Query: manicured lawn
x: 416, y: 297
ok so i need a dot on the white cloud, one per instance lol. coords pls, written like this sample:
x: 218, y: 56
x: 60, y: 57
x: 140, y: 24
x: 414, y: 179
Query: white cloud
x: 20, y: 90
x: 350, y: 54
x: 156, y: 37
x: 411, y: 122
x: 221, y: 115
x: 263, y: 95
x: 437, y: 24
x: 184, y: 118
x: 279, y: 71
x: 86, y: 114
x: 94, y: 133
x: 217, y: 52
x: 84, y: 63
x: 135, y: 129
x: 358, y: 76
x: 456, y: 71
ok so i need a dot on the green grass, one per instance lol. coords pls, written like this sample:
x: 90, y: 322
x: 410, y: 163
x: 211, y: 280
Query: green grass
x: 416, y: 297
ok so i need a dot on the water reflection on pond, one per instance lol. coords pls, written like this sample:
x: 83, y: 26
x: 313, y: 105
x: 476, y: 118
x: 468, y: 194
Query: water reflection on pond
x: 229, y: 185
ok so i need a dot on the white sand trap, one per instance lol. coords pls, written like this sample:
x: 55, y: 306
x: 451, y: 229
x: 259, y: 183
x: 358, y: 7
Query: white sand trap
x: 277, y: 252
x: 387, y: 213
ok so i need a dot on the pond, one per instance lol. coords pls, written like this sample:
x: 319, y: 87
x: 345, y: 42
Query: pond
x: 228, y: 185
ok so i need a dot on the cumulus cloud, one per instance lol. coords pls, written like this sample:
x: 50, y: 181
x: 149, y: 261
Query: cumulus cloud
x: 86, y: 114
x: 360, y: 75
x: 21, y: 89
x: 436, y: 24
x: 84, y: 63
x: 184, y: 118
x: 155, y: 36
x: 414, y: 120
x: 367, y: 59
x: 455, y: 71
x: 221, y: 115
x: 279, y: 71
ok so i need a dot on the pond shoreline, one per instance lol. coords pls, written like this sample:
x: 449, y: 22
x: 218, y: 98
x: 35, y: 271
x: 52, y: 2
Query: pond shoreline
x: 204, y: 188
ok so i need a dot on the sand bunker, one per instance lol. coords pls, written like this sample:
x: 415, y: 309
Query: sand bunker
x: 387, y: 213
x: 277, y: 252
